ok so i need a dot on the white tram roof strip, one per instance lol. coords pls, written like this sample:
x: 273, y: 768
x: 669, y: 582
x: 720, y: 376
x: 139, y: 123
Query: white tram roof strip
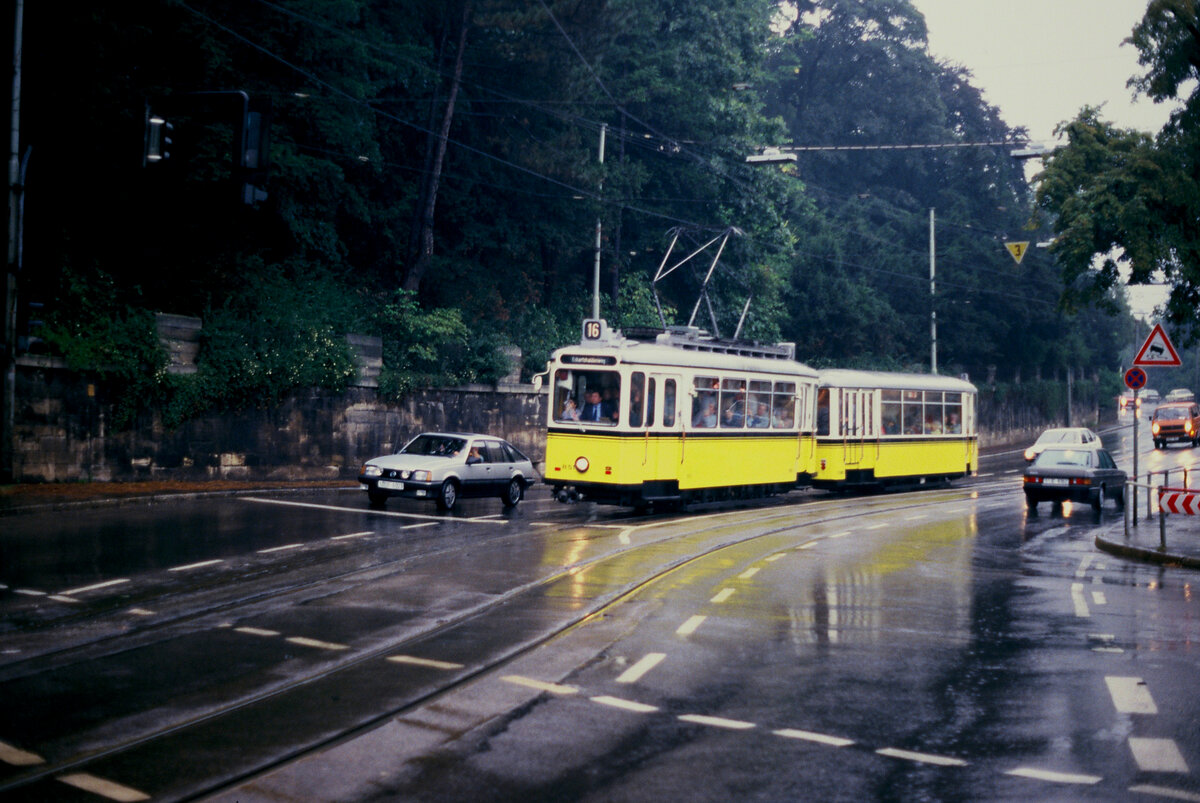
x: 717, y: 722
x: 1130, y: 695
x: 634, y: 673
x: 103, y: 787
x: 1165, y: 791
x: 626, y: 705
x: 199, y: 565
x: 552, y: 688
x: 95, y: 586
x: 922, y: 758
x: 1157, y: 755
x: 343, y: 508
x: 429, y: 663
x: 1055, y: 777
x: 16, y: 757
x: 809, y: 736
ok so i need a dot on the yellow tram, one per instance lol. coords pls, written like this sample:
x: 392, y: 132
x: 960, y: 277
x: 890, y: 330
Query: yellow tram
x: 672, y: 416
x: 676, y: 416
x: 879, y: 428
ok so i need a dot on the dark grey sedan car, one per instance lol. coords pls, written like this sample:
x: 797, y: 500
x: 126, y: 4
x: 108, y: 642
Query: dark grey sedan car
x: 1079, y: 475
x: 443, y: 466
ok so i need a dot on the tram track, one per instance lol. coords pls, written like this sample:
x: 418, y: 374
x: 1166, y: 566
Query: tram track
x: 361, y: 672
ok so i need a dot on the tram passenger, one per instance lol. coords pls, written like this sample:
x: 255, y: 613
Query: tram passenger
x: 608, y: 406
x: 891, y: 426
x: 762, y: 416
x: 635, y: 406
x: 732, y: 417
x: 706, y: 416
x: 953, y: 424
x: 569, y: 411
x: 593, y: 409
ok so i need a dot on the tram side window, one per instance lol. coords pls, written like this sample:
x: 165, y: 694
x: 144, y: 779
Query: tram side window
x: 890, y: 412
x: 758, y: 413
x: 954, y: 413
x: 914, y: 415
x: 650, y: 399
x: 669, y: 403
x: 586, y: 396
x: 637, y: 384
x: 704, y: 406
x: 733, y: 403
x: 934, y: 412
x: 783, y: 406
x: 823, y: 411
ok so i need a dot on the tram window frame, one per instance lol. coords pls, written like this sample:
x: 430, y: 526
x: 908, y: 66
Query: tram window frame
x: 823, y: 395
x: 637, y: 384
x: 572, y: 385
x: 759, y: 394
x: 954, y: 406
x: 733, y: 404
x: 891, y: 415
x: 669, y: 395
x: 912, y: 412
x: 706, y: 389
x: 935, y: 413
x: 783, y: 402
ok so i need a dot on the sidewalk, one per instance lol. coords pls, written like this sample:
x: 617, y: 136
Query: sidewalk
x: 1144, y: 542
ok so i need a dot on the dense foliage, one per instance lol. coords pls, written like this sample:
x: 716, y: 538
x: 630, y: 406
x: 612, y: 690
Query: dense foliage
x: 435, y: 179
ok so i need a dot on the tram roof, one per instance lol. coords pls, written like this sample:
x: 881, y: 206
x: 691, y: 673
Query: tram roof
x: 849, y: 378
x: 724, y: 356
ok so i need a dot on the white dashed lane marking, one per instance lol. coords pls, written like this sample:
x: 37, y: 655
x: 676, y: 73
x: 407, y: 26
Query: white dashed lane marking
x: 1054, y: 777
x: 634, y: 673
x: 94, y: 587
x: 102, y: 787
x: 746, y: 575
x: 552, y: 688
x: 689, y: 627
x: 1077, y: 599
x: 625, y: 705
x: 16, y: 757
x: 256, y: 631
x: 189, y: 567
x: 412, y: 660
x: 809, y: 736
x: 283, y: 548
x: 1157, y: 755
x: 1130, y: 695
x: 717, y: 722
x: 723, y: 594
x: 921, y: 758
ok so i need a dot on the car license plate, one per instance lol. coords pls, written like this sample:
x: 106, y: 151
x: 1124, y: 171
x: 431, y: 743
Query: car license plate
x: 1047, y: 481
x: 391, y: 485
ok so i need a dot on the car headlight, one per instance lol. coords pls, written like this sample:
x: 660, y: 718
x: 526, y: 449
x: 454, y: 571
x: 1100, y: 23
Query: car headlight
x: 1154, y: 428
x: 369, y: 470
x: 1030, y: 454
x: 421, y: 476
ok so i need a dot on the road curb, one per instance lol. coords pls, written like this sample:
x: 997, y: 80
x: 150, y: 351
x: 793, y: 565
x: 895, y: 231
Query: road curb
x: 1159, y: 556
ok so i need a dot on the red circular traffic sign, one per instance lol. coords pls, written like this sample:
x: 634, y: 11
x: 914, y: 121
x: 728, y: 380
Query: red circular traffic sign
x: 1135, y: 378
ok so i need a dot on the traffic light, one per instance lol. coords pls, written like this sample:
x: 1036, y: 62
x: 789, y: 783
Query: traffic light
x: 157, y: 140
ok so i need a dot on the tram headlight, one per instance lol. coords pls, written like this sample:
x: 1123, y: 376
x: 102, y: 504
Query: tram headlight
x: 581, y: 464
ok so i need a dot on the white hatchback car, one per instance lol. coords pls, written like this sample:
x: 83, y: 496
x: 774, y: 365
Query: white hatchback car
x: 1079, y: 437
x: 444, y: 466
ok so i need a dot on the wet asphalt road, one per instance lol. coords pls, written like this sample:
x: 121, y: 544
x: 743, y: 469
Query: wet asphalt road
x: 935, y: 645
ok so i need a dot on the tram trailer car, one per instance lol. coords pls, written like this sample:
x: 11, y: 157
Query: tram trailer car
x: 878, y: 428
x: 668, y: 417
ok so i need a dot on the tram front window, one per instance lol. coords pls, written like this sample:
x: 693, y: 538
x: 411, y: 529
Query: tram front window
x: 586, y: 397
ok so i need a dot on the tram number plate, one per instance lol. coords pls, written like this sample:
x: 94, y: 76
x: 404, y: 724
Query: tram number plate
x: 391, y: 485
x: 1047, y: 481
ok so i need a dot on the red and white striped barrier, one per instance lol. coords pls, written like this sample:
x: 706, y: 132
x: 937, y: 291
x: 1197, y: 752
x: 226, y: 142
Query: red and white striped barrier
x: 1179, y: 500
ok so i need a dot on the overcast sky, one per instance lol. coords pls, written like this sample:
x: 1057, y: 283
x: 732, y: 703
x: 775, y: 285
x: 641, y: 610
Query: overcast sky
x: 1040, y: 61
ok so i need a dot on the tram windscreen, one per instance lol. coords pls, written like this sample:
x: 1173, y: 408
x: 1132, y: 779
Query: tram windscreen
x: 586, y: 396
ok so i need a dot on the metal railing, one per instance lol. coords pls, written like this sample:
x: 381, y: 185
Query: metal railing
x: 1152, y: 497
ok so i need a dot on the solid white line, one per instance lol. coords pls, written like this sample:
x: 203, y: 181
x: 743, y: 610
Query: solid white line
x: 17, y: 757
x: 352, y: 535
x: 1157, y: 755
x: 256, y: 631
x: 723, y: 594
x: 1130, y: 695
x: 279, y: 548
x: 923, y: 758
x: 808, y: 736
x: 1165, y: 791
x: 191, y: 566
x: 312, y: 642
x: 426, y: 662
x: 106, y: 584
x: 689, y: 627
x: 717, y: 722
x: 361, y: 510
x: 1056, y: 777
x: 1081, y: 608
x: 634, y: 673
x: 1114, y: 650
x: 627, y: 705
x: 553, y: 688
x: 99, y: 786
x: 746, y: 575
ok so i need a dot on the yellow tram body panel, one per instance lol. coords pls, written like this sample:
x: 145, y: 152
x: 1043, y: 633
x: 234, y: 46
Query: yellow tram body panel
x: 882, y: 460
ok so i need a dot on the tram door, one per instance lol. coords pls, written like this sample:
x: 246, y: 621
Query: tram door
x: 664, y: 454
x: 853, y: 424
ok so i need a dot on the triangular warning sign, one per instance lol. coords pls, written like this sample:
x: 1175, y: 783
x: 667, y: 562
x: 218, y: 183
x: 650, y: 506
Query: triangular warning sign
x: 1017, y: 250
x: 1157, y: 350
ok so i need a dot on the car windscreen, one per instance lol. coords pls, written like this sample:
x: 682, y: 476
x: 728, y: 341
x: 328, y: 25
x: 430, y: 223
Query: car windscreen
x: 435, y: 446
x: 1064, y: 457
x: 1171, y: 413
x: 1058, y: 436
